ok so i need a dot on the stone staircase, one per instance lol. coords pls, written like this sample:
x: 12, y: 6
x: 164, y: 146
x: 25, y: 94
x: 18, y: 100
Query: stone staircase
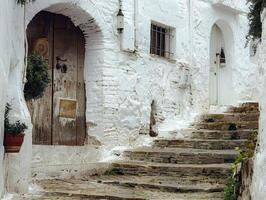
x: 193, y: 168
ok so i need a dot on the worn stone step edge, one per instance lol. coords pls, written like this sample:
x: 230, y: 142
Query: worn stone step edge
x: 218, y: 135
x: 92, y: 190
x: 161, y: 180
x: 253, y: 125
x: 181, y: 156
x: 169, y: 188
x: 165, y: 169
x: 67, y: 196
x: 200, y: 143
x: 228, y: 117
x: 243, y: 109
x: 181, y: 150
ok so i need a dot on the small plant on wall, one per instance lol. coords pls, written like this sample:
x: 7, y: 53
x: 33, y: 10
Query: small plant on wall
x: 23, y: 2
x: 37, y: 77
x: 14, y: 133
x: 255, y: 25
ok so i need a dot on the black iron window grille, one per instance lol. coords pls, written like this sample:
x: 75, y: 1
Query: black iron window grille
x: 160, y: 41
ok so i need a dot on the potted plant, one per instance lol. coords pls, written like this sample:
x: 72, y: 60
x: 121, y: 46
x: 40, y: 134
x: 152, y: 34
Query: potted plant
x: 14, y: 133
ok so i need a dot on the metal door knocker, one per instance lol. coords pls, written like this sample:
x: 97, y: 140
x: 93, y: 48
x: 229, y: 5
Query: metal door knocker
x: 59, y: 66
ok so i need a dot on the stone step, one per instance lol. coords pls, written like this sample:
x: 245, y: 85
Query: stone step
x: 252, y: 107
x: 228, y: 126
x: 248, y: 104
x: 181, y: 156
x: 229, y: 117
x: 200, y: 144
x: 217, y: 135
x: 162, y: 183
x: 138, y: 168
x: 185, y: 180
x: 77, y: 189
x: 69, y: 196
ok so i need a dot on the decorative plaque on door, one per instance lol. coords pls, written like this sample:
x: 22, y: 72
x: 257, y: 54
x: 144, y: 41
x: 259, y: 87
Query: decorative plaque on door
x: 68, y: 108
x: 41, y: 47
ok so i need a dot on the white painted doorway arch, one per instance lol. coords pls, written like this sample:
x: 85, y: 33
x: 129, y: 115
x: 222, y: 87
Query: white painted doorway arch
x: 220, y: 84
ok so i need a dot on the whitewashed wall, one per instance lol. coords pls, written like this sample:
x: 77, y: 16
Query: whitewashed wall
x: 14, y: 169
x: 120, y: 85
x: 259, y: 177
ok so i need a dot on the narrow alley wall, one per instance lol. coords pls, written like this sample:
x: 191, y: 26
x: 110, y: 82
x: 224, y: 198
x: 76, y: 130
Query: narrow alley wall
x: 14, y: 169
x: 259, y: 177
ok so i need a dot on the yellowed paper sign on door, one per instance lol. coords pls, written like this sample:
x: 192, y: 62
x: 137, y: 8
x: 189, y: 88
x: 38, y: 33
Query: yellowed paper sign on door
x: 68, y: 108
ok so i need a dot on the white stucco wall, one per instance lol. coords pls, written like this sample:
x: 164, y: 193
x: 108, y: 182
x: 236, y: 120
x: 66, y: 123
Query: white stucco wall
x: 121, y: 85
x: 259, y: 177
x: 117, y: 111
x: 14, y: 169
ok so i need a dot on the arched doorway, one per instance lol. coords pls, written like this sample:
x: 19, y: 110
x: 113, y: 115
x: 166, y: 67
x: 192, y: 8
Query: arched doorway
x: 220, y: 68
x: 59, y: 116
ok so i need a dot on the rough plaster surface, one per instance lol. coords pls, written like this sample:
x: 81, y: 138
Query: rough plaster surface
x: 259, y: 177
x: 120, y: 85
x: 14, y: 169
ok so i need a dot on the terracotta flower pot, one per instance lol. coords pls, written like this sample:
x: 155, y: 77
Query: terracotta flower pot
x: 13, y: 142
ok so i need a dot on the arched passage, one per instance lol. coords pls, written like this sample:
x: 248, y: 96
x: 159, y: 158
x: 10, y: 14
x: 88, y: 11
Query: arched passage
x: 74, y: 42
x: 221, y: 59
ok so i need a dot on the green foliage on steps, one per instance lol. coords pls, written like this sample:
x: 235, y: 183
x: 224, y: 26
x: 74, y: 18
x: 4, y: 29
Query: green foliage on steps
x: 254, y: 18
x: 248, y: 152
x: 14, y: 128
x: 37, y: 77
x: 231, y: 189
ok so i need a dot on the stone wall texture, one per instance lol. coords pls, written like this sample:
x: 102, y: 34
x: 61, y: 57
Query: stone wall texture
x: 122, y: 78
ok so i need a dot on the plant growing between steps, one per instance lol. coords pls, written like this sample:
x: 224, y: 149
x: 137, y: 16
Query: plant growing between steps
x: 37, y: 77
x: 14, y: 133
x: 233, y: 185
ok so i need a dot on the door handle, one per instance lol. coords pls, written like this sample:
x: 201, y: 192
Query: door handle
x: 59, y: 66
x: 60, y: 59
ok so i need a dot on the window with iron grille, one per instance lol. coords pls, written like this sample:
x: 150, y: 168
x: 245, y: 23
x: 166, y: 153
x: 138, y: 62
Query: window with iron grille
x: 160, y: 41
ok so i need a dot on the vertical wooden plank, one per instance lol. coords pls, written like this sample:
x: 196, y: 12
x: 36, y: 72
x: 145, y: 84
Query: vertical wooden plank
x: 65, y: 84
x: 41, y: 109
x: 81, y: 122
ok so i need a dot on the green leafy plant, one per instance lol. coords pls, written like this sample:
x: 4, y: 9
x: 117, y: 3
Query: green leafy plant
x: 37, y: 77
x: 229, y: 190
x: 233, y: 184
x: 255, y: 25
x: 15, y: 128
x: 23, y: 2
x: 241, y: 155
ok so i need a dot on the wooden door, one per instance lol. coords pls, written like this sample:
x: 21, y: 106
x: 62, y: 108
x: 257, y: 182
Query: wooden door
x: 59, y: 116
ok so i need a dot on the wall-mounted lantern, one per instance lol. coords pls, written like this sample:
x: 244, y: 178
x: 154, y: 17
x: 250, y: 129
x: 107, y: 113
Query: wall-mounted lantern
x: 120, y: 21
